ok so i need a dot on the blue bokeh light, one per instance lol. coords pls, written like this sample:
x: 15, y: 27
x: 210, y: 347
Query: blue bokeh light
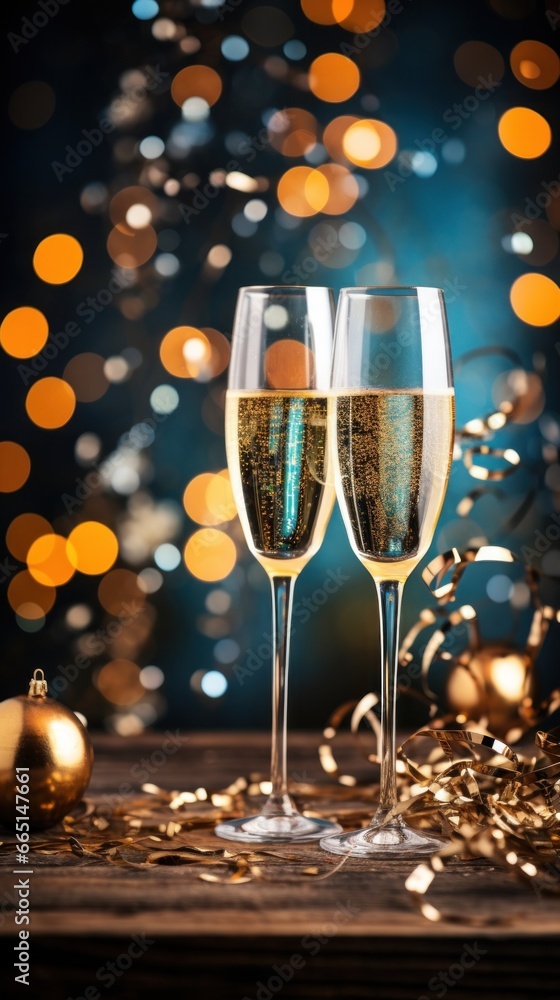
x: 167, y: 557
x: 295, y: 50
x: 145, y: 10
x: 214, y: 684
x: 424, y: 164
x: 235, y: 48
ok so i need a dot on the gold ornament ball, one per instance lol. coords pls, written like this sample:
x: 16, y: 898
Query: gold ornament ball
x: 499, y: 682
x: 49, y: 741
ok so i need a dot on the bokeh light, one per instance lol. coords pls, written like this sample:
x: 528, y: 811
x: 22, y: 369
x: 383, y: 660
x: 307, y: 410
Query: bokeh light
x: 185, y: 351
x: 295, y: 50
x: 226, y: 651
x: 164, y: 399
x: 23, y: 531
x: 196, y: 81
x: 521, y: 393
x: 289, y: 364
x: 535, y: 64
x: 138, y: 216
x: 297, y: 186
x: 255, y: 210
x: 166, y: 264
x: 151, y: 147
x: 213, y: 684
x: 145, y: 10
x: 92, y: 548
x: 235, y: 48
x: 119, y: 682
x: 423, y: 164
x: 219, y: 354
x: 359, y: 15
x: 361, y: 142
x: 28, y: 597
x: 28, y: 624
x: 32, y: 104
x: 15, y: 466
x: 50, y: 403
x: 524, y: 133
x: 24, y: 332
x: 48, y: 560
x: 119, y: 587
x: 93, y: 197
x: 240, y: 181
x: 195, y: 109
x: 267, y: 26
x: 218, y: 602
x: 292, y: 131
x: 370, y: 143
x: 116, y: 369
x: 352, y: 235
x: 167, y: 557
x: 520, y: 243
x: 324, y: 12
x: 166, y: 30
x: 333, y: 77
x: 499, y: 588
x: 535, y: 299
x: 150, y: 580
x: 210, y: 555
x: 133, y: 248
x: 79, y: 616
x: 476, y: 61
x: 208, y: 498
x: 316, y: 190
x: 85, y: 374
x: 194, y: 499
x: 334, y: 133
x: 219, y: 498
x: 453, y: 151
x: 123, y: 200
x: 219, y: 256
x: 537, y: 243
x: 342, y: 187
x: 58, y: 258
x: 152, y: 677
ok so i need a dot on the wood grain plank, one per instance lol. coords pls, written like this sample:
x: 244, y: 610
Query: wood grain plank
x: 99, y: 900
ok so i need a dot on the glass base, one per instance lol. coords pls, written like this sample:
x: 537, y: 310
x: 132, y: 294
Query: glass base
x: 394, y: 840
x: 280, y: 829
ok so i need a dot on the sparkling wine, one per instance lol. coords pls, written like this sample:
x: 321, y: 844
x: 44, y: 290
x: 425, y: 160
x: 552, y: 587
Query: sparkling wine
x: 394, y: 455
x: 277, y: 456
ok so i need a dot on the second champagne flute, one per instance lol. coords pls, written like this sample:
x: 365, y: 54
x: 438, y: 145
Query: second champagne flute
x: 392, y: 412
x: 276, y: 440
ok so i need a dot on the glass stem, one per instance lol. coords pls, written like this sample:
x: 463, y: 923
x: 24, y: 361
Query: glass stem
x: 279, y: 802
x: 389, y: 594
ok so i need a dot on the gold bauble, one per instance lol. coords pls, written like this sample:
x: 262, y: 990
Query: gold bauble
x: 49, y: 741
x: 496, y: 683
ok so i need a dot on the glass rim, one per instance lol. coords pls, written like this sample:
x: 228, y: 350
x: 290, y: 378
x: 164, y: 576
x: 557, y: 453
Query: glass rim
x: 388, y: 290
x: 281, y: 289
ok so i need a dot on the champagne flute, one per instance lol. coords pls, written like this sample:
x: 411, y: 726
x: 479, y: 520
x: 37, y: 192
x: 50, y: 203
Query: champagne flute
x: 391, y: 426
x: 276, y: 441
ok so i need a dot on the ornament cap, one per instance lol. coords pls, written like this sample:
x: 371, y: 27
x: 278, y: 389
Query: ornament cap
x: 37, y: 685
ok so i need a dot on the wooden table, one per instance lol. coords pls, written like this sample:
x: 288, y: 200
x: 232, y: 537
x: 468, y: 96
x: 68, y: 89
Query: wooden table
x: 357, y: 934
